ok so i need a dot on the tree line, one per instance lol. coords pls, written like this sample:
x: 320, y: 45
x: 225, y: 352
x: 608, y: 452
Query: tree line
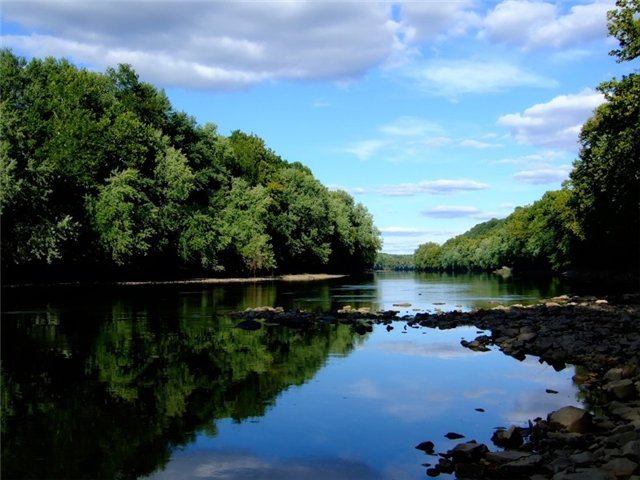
x: 593, y: 221
x: 99, y: 172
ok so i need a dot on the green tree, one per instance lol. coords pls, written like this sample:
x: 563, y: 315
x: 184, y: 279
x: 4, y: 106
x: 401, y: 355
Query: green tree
x: 244, y: 221
x: 624, y: 25
x: 125, y: 220
x: 299, y: 220
x: 606, y: 177
x: 428, y: 256
x: 355, y: 241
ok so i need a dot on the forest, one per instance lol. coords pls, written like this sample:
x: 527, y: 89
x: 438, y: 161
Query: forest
x: 100, y: 175
x: 593, y: 222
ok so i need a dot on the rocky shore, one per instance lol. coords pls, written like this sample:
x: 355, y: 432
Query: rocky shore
x: 599, y: 335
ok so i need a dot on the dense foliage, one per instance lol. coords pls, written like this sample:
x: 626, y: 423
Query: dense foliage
x: 594, y: 220
x: 395, y: 262
x: 98, y: 171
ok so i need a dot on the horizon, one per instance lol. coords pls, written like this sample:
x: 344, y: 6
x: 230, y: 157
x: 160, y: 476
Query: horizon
x: 435, y: 115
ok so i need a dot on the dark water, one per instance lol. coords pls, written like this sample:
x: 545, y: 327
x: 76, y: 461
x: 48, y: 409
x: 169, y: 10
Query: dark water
x: 129, y: 382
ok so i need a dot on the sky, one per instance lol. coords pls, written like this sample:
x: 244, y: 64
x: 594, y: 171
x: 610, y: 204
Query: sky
x: 436, y: 115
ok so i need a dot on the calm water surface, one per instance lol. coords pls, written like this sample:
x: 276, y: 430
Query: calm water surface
x: 156, y: 382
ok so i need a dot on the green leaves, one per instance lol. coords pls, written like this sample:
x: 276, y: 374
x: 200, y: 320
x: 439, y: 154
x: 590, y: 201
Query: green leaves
x: 624, y: 25
x: 124, y: 218
x: 97, y: 169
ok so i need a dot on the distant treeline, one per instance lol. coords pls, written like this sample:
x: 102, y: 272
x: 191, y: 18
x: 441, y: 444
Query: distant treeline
x: 395, y: 262
x: 593, y: 222
x: 99, y: 172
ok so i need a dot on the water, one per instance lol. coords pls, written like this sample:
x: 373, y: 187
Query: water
x: 156, y: 382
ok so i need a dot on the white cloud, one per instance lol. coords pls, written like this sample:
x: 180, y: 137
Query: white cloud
x: 556, y: 123
x: 438, y: 187
x: 530, y: 24
x: 452, y: 211
x: 432, y: 20
x: 452, y: 78
x: 543, y: 176
x: 410, y: 127
x: 478, y: 144
x: 365, y: 149
x: 541, y: 158
x: 211, y: 45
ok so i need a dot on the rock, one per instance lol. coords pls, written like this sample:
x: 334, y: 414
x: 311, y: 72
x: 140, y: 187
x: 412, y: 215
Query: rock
x: 454, y: 436
x: 510, y: 438
x: 631, y: 450
x: 250, y: 325
x: 468, y: 452
x: 621, y: 439
x: 505, y: 457
x: 582, y: 458
x: 613, y: 374
x: 526, y: 337
x: 572, y: 419
x: 584, y: 474
x: 469, y: 470
x: 475, y: 345
x: 426, y: 446
x: 523, y: 465
x: 621, y: 389
x: 620, y: 467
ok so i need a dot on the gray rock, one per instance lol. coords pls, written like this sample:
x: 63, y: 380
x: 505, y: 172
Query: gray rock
x: 620, y: 439
x: 521, y: 466
x: 510, y: 438
x: 621, y: 467
x: 469, y: 470
x: 573, y: 419
x: 582, y: 458
x: 468, y: 452
x: 621, y: 389
x: 505, y: 457
x: 526, y: 337
x: 584, y: 474
x: 632, y: 450
x: 613, y: 375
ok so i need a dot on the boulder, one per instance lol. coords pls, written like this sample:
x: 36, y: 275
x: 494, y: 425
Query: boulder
x: 620, y: 467
x: 510, y: 438
x: 621, y: 389
x: 572, y: 419
x: 468, y: 452
x: 426, y: 446
x: 584, y: 474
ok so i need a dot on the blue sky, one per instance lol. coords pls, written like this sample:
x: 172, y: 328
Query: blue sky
x: 436, y: 115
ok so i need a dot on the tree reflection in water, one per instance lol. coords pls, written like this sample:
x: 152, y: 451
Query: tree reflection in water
x: 110, y: 395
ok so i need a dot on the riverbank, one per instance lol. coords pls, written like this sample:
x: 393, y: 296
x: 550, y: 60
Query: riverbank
x: 599, y: 335
x: 302, y: 277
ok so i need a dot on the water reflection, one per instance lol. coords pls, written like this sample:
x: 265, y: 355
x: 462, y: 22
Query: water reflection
x: 126, y: 382
x: 92, y: 397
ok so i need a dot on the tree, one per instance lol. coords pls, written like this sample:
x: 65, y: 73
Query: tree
x: 606, y: 176
x: 299, y: 221
x: 624, y: 25
x: 124, y: 217
x: 243, y: 220
x: 355, y: 241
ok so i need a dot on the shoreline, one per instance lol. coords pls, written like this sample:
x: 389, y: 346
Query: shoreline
x: 601, y: 337
x: 298, y: 277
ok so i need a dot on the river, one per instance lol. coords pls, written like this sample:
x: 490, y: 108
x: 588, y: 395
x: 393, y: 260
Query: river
x: 156, y: 382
